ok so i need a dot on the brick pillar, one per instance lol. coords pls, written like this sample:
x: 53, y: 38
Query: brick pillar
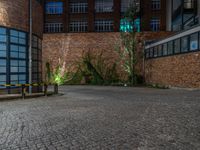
x: 66, y: 16
x: 91, y: 16
x: 117, y: 14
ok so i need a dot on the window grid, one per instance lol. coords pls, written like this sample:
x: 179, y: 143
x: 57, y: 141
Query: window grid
x: 155, y: 24
x: 155, y: 4
x: 186, y: 44
x: 104, y: 5
x: 78, y: 26
x: 79, y: 7
x: 103, y: 25
x: 54, y: 8
x: 53, y: 27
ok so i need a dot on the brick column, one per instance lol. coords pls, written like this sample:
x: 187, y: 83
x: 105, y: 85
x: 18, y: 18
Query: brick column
x: 117, y: 14
x: 66, y: 16
x: 91, y: 15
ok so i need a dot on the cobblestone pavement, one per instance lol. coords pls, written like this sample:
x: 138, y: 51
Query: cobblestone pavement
x: 106, y: 118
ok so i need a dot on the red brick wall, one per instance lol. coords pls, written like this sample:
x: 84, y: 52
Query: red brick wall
x: 68, y: 47
x: 178, y: 71
x: 15, y: 14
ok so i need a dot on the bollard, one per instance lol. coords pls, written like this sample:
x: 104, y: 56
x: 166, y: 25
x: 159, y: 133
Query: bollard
x: 45, y: 89
x: 55, y: 88
x: 23, y: 91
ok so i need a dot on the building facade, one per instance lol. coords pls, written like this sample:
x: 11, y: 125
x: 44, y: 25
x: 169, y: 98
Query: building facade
x: 93, y: 25
x: 14, y: 42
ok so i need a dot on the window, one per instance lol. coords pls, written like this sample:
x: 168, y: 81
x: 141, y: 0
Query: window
x: 3, y: 37
x: 170, y: 47
x: 17, y: 66
x: 103, y: 25
x: 155, y: 53
x: 126, y: 3
x: 189, y: 4
x: 104, y: 5
x: 53, y: 27
x: 127, y: 26
x: 17, y: 51
x: 151, y: 53
x: 78, y: 26
x: 2, y: 80
x: 160, y: 50
x: 79, y: 7
x: 155, y: 4
x: 18, y: 79
x: 17, y: 37
x: 2, y: 65
x: 155, y: 24
x: 3, y: 49
x: 165, y: 49
x: 184, y: 44
x: 177, y: 46
x: 194, y: 42
x: 54, y: 7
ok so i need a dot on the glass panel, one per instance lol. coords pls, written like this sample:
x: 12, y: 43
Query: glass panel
x: 14, y: 54
x: 14, y: 69
x: 170, y: 47
x: 155, y: 51
x: 14, y: 39
x: 2, y: 78
x: 160, y: 50
x: 3, y: 69
x: 2, y: 47
x: 3, y: 38
x: 194, y: 42
x: 2, y: 31
x: 151, y: 52
x: 14, y: 33
x: 184, y: 44
x: 165, y: 49
x: 14, y: 48
x: 177, y: 46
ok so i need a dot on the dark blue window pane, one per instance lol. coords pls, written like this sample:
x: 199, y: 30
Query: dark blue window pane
x: 3, y: 38
x: 2, y: 31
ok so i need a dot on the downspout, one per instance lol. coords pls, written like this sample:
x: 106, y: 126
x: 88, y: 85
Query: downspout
x: 30, y: 45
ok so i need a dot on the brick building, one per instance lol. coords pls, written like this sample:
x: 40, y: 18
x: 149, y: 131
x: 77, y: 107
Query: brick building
x: 94, y: 25
x: 14, y: 42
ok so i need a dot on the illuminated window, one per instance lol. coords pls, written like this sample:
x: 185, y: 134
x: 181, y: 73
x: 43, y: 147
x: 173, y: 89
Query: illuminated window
x: 127, y: 26
x: 54, y: 7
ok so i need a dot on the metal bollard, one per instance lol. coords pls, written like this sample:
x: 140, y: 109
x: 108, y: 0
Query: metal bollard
x: 45, y: 89
x: 56, y: 89
x: 23, y: 91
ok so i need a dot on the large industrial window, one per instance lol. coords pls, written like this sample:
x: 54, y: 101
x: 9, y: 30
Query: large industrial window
x: 103, y: 25
x: 14, y: 57
x: 155, y: 24
x: 177, y: 46
x: 125, y: 4
x: 18, y: 57
x: 78, y: 7
x: 53, y: 27
x: 54, y: 7
x: 127, y: 26
x: 36, y: 59
x: 155, y: 4
x: 185, y: 44
x: 78, y: 26
x: 194, y: 45
x: 104, y: 5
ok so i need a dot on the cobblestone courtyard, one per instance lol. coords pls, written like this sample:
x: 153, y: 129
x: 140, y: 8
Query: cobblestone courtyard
x: 90, y: 118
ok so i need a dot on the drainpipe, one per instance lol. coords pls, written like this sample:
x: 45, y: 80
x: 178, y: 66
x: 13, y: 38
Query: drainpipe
x: 30, y: 45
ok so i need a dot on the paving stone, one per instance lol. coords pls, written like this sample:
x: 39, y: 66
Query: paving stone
x: 92, y: 117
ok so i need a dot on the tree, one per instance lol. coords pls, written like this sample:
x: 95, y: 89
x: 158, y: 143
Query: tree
x: 128, y: 39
